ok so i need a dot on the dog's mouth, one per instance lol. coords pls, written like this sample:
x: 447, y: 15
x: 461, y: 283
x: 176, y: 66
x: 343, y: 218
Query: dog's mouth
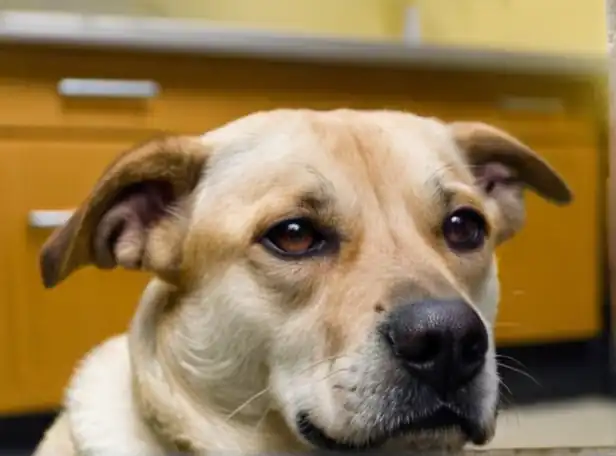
x: 443, y: 419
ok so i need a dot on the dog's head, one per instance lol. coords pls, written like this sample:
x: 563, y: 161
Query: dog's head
x: 337, y: 266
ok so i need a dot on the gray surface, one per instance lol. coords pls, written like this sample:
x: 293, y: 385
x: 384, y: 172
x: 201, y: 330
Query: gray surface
x: 520, y: 452
x: 548, y: 452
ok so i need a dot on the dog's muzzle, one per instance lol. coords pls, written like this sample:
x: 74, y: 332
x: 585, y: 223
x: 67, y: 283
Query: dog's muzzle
x: 437, y: 350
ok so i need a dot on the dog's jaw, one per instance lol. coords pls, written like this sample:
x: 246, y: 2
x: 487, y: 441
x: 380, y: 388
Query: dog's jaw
x: 106, y: 416
x: 189, y: 418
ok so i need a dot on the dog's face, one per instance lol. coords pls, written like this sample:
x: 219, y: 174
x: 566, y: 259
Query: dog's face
x: 335, y: 266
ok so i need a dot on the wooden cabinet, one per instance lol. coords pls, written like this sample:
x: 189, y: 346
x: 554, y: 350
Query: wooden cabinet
x: 550, y: 272
x: 52, y: 149
x: 8, y: 354
x: 53, y: 329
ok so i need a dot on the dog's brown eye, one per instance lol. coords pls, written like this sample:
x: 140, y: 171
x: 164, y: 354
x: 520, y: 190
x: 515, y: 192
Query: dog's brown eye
x: 296, y: 237
x: 464, y: 230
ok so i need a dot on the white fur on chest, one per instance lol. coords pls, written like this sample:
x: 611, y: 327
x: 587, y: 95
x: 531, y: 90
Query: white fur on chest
x: 101, y: 408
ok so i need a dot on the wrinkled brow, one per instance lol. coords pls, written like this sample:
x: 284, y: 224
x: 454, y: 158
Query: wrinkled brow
x: 320, y: 201
x: 439, y: 193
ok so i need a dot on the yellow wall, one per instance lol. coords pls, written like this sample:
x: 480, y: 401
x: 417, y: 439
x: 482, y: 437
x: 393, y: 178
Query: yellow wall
x: 539, y: 25
x: 359, y: 18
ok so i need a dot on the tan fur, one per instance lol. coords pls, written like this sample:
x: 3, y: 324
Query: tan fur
x: 229, y: 341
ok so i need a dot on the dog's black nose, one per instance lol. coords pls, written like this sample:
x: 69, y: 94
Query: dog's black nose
x: 443, y: 343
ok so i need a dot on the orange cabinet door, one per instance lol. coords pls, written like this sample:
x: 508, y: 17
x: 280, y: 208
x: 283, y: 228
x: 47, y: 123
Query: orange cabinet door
x: 52, y: 329
x: 550, y: 272
x: 9, y: 378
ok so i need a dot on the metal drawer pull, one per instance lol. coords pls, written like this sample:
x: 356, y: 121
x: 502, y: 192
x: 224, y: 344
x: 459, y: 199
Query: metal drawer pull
x: 107, y: 88
x: 49, y: 219
x: 534, y: 104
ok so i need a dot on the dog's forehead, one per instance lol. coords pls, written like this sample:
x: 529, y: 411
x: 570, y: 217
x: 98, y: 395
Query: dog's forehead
x: 387, y: 144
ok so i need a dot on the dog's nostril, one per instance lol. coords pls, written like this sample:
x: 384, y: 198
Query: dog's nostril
x: 389, y: 338
x: 423, y: 348
x: 473, y: 348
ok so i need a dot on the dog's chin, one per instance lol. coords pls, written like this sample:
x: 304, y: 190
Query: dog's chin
x: 431, y: 431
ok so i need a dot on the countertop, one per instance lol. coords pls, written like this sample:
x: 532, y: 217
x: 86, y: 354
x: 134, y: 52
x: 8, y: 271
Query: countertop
x: 200, y: 37
x: 545, y: 452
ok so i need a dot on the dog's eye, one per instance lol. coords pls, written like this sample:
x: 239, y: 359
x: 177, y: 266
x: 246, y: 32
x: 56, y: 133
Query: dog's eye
x: 464, y: 230
x: 296, y: 237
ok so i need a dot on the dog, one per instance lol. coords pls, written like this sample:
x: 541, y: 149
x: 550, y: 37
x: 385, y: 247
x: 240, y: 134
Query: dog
x: 321, y: 280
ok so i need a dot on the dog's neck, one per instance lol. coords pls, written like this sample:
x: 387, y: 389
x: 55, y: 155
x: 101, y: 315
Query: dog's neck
x: 195, y: 397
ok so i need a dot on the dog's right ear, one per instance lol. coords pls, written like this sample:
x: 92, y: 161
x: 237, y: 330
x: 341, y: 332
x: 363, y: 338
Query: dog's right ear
x: 504, y: 168
x: 130, y: 218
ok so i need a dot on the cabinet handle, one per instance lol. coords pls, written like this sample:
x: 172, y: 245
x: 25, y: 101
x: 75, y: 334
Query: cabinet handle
x: 533, y: 104
x: 107, y: 88
x: 49, y: 219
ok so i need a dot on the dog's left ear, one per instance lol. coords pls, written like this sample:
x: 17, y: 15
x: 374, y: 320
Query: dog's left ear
x: 504, y: 167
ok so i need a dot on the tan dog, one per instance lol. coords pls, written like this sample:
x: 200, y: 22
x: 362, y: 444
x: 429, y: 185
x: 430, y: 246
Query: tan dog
x: 323, y: 280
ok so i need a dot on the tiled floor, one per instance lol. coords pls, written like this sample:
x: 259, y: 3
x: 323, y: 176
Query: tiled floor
x: 575, y: 423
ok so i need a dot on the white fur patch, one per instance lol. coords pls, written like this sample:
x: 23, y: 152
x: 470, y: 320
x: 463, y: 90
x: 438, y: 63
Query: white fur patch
x: 101, y: 409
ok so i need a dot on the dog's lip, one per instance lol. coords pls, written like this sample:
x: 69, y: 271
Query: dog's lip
x: 441, y: 419
x: 317, y: 437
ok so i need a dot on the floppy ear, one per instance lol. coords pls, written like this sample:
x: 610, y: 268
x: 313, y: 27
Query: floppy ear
x: 503, y: 168
x: 130, y: 218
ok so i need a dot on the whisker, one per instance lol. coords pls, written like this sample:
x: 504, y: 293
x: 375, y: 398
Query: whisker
x: 246, y: 403
x: 513, y: 413
x: 323, y: 360
x: 264, y: 391
x: 521, y: 372
x: 334, y: 372
x: 262, y: 419
x: 507, y: 397
x: 504, y: 385
x: 511, y: 358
